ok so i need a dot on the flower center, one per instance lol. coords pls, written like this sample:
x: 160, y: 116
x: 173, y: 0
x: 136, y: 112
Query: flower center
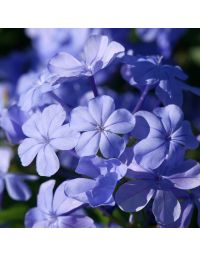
x: 100, y: 128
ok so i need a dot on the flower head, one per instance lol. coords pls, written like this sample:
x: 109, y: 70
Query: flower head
x: 56, y: 210
x: 101, y: 179
x: 160, y: 185
x: 46, y: 133
x: 98, y: 53
x: 168, y: 133
x: 100, y: 124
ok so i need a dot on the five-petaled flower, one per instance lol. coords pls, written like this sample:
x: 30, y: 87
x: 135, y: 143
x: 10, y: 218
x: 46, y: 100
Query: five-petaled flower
x: 159, y: 184
x: 168, y: 133
x: 46, y: 133
x: 56, y: 210
x: 100, y: 124
x: 97, y: 54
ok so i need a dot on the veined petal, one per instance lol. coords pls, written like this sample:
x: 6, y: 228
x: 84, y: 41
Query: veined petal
x: 88, y: 143
x: 94, y: 49
x: 113, y: 50
x: 53, y: 117
x: 45, y: 196
x: 187, y: 180
x: 171, y: 117
x: 17, y: 188
x: 101, y: 108
x: 77, y: 188
x: 65, y: 65
x: 121, y: 121
x: 151, y: 152
x: 111, y: 145
x: 166, y: 207
x: 47, y: 161
x: 133, y: 196
x: 81, y: 120
x: 28, y: 150
x: 63, y: 204
x: 32, y: 128
x: 33, y: 216
x: 64, y: 138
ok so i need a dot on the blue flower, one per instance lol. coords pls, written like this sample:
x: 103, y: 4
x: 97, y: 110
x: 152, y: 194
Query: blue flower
x: 101, y: 179
x: 56, y: 211
x: 98, y: 53
x: 168, y: 133
x: 189, y: 200
x: 13, y: 182
x: 11, y: 121
x: 100, y: 124
x: 33, y: 90
x: 160, y: 185
x: 46, y: 134
x: 167, y: 80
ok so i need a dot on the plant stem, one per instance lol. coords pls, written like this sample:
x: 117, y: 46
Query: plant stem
x: 94, y: 86
x: 141, y: 99
x: 59, y: 100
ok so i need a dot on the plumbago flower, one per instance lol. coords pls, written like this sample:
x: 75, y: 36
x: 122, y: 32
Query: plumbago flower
x: 100, y: 124
x: 13, y: 182
x: 189, y: 201
x: 56, y: 211
x: 168, y: 133
x: 160, y: 185
x: 34, y: 90
x: 149, y: 72
x: 46, y: 133
x: 97, y: 189
x: 97, y: 54
x: 11, y: 121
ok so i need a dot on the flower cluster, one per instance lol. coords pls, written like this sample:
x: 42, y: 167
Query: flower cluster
x: 105, y: 150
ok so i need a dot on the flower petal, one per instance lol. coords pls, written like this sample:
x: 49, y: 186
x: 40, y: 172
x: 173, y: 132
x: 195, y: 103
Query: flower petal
x: 94, y: 49
x: 187, y: 180
x: 45, y: 196
x: 101, y: 108
x: 53, y: 117
x: 171, y: 117
x: 5, y: 155
x: 75, y: 221
x: 63, y: 204
x: 64, y: 138
x: 113, y: 50
x: 33, y: 216
x: 65, y: 65
x: 17, y: 188
x: 32, y: 128
x: 81, y: 120
x: 47, y: 161
x: 166, y: 207
x: 134, y: 196
x: 151, y: 152
x: 121, y: 121
x: 101, y: 194
x: 111, y: 145
x: 77, y: 188
x: 28, y: 150
x: 88, y: 143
